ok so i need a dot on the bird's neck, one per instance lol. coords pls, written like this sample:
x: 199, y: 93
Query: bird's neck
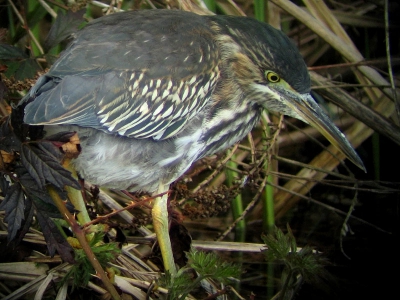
x: 229, y: 120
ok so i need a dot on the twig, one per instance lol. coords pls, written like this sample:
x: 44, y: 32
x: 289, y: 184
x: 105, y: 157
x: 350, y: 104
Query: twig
x: 216, y: 171
x: 353, y: 64
x: 389, y: 59
x: 111, y: 203
x: 80, y: 235
x: 347, y: 51
x: 21, y: 19
x: 48, y: 8
x: 118, y: 211
x: 327, y: 207
x: 248, y: 208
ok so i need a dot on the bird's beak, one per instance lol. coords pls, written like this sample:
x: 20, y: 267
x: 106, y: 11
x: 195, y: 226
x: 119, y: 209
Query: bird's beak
x: 309, y: 111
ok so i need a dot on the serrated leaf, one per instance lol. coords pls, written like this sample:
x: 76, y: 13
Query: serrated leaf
x: 31, y: 187
x: 28, y: 218
x: 8, y: 52
x: 8, y: 140
x: 13, y: 205
x: 44, y: 167
x: 48, y: 209
x: 35, y: 14
x: 177, y: 285
x: 22, y: 69
x: 48, y: 204
x: 291, y: 239
x: 51, y: 58
x: 209, y: 265
x: 278, y: 244
x: 63, y: 27
x: 54, y: 239
x: 51, y: 150
x: 34, y: 193
x: 27, y: 69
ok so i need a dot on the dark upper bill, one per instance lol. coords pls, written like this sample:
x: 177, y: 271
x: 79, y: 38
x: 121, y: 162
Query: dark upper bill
x: 307, y: 109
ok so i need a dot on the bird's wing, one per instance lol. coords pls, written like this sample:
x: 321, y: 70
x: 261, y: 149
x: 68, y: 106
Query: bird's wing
x: 136, y: 74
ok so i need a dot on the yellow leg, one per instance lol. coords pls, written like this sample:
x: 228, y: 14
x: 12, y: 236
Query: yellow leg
x: 160, y: 222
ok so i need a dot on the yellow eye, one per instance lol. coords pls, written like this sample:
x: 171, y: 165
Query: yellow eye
x: 272, y: 76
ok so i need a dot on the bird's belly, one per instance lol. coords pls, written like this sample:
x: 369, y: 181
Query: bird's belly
x: 134, y: 164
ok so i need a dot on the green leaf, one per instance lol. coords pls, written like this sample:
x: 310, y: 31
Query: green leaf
x: 8, y: 52
x: 291, y: 239
x: 27, y: 69
x: 22, y: 69
x: 279, y: 245
x: 304, y: 263
x: 63, y: 27
x: 12, y: 68
x: 177, y: 285
x: 50, y: 210
x: 206, y: 265
x: 209, y: 265
x: 81, y: 272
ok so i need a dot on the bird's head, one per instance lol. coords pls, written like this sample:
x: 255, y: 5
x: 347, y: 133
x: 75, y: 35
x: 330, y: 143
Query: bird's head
x: 272, y: 73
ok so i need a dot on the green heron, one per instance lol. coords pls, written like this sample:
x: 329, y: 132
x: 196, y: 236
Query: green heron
x: 150, y: 92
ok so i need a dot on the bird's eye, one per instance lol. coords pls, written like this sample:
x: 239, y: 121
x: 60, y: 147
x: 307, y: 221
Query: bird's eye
x: 272, y: 76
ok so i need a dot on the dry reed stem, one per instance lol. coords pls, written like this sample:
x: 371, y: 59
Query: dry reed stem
x: 359, y: 132
x: 335, y: 41
x: 357, y: 109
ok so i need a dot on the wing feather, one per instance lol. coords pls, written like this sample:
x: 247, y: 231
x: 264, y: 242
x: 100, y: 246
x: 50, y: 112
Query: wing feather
x: 137, y: 80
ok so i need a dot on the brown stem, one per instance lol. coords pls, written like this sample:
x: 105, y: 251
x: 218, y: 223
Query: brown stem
x: 117, y: 211
x: 80, y: 235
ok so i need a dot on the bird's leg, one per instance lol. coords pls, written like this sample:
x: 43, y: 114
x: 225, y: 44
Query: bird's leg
x: 161, y: 228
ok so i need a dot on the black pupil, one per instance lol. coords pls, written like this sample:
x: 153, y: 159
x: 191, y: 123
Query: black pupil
x: 274, y: 78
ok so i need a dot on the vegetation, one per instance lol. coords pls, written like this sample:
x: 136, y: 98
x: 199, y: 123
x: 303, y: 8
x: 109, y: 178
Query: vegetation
x: 104, y: 246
